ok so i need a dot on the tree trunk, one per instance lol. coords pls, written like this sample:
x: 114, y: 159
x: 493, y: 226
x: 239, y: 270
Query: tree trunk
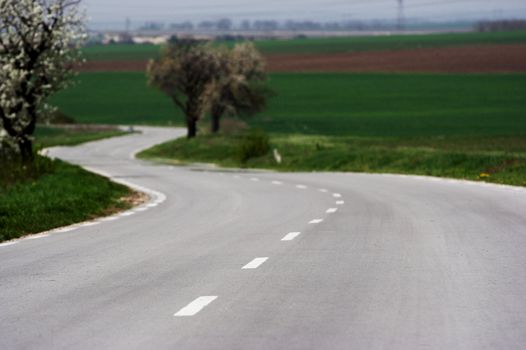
x: 215, y: 123
x: 25, y: 146
x: 191, y: 124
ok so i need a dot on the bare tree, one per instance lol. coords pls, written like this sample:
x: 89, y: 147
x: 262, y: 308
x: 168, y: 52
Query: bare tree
x: 240, y: 89
x: 183, y: 72
x: 39, y: 41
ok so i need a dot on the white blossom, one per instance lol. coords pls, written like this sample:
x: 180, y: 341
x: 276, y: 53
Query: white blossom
x: 39, y: 47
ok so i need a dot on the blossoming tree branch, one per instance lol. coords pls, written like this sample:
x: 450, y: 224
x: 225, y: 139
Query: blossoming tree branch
x: 39, y: 47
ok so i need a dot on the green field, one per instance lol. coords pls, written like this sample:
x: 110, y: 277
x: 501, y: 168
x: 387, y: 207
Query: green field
x: 387, y: 42
x: 364, y: 105
x: 324, y: 45
x: 115, y: 98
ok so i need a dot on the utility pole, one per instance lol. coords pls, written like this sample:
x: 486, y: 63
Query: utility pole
x: 401, y: 17
x: 127, y: 25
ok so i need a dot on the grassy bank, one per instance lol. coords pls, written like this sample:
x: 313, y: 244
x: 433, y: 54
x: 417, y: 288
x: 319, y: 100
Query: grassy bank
x: 49, y: 136
x: 53, y: 194
x: 496, y: 159
x: 323, y: 45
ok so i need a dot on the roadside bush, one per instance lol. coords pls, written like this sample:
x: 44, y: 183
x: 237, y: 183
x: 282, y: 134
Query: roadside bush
x: 55, y: 116
x: 233, y: 126
x: 59, y: 117
x: 255, y: 143
x: 14, y: 171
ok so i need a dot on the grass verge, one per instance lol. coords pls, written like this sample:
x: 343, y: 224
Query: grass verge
x: 53, y: 193
x: 499, y: 159
x: 49, y: 136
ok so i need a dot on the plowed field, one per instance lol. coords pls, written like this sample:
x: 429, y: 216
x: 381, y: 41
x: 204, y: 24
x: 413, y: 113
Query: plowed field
x: 464, y: 59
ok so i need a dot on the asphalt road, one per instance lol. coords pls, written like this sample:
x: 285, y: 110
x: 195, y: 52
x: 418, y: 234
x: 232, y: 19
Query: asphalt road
x: 261, y: 260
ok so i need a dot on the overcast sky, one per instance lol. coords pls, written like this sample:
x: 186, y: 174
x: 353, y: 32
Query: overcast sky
x: 116, y: 11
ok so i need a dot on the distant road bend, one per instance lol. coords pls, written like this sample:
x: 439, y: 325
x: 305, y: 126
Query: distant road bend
x: 262, y: 260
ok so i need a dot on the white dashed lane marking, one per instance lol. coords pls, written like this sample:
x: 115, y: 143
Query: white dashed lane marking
x: 323, y: 190
x: 336, y: 195
x: 254, y: 179
x: 254, y: 264
x: 315, y: 221
x: 301, y: 187
x: 290, y: 236
x: 340, y: 202
x: 195, y: 306
x: 331, y: 210
x: 277, y: 183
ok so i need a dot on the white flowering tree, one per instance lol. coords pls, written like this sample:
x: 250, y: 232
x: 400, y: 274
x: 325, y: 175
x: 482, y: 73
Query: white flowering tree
x: 240, y: 89
x: 39, y: 42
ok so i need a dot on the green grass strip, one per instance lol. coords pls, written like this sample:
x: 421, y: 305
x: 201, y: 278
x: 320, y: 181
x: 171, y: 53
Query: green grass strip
x: 65, y: 194
x: 49, y: 136
x: 451, y: 157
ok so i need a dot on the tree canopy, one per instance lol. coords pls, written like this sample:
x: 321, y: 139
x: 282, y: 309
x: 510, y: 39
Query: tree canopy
x: 240, y: 89
x: 201, y: 78
x: 183, y: 72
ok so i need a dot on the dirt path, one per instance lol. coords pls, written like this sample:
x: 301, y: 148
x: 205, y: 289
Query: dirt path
x: 464, y: 59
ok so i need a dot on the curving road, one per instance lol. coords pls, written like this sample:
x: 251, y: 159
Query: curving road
x: 261, y: 260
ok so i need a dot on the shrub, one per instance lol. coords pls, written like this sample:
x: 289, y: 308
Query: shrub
x: 59, y: 117
x: 232, y: 126
x: 14, y: 171
x: 255, y: 143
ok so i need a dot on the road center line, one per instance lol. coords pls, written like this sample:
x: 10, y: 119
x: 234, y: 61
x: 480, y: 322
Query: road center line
x: 195, y: 306
x: 254, y: 264
x: 331, y: 210
x: 315, y: 221
x: 290, y: 236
